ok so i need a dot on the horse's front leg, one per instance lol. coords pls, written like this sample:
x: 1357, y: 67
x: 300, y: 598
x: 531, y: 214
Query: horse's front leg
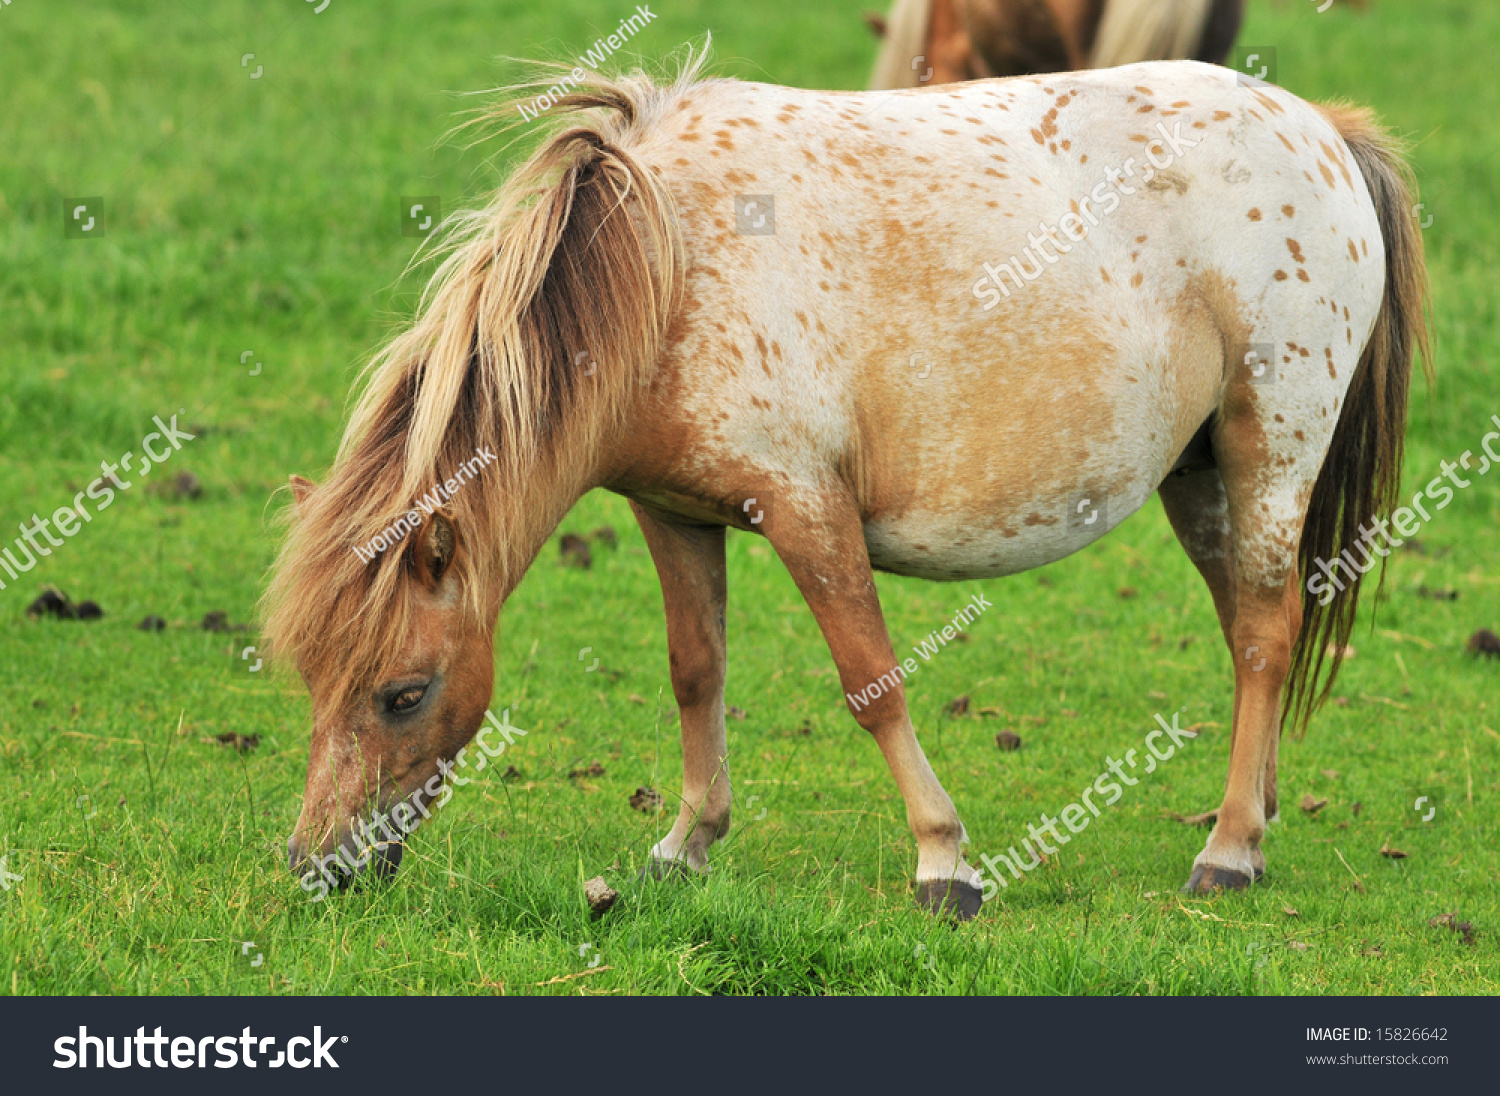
x: 820, y: 538
x: 690, y: 563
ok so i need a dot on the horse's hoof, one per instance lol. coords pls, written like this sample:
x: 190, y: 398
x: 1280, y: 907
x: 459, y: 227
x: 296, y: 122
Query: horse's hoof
x: 950, y: 898
x: 657, y: 868
x: 1207, y: 878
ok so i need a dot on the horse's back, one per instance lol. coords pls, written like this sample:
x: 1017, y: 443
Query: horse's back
x: 985, y: 303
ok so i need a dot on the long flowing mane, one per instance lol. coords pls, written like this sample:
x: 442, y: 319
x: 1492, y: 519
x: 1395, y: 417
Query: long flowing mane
x: 1143, y: 30
x: 543, y: 319
x: 1008, y: 33
x: 906, y: 31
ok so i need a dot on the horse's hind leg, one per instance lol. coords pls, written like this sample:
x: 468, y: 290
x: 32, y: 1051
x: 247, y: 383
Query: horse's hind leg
x: 1199, y: 512
x: 690, y: 563
x: 1266, y: 505
x: 1198, y: 509
x: 1266, y: 625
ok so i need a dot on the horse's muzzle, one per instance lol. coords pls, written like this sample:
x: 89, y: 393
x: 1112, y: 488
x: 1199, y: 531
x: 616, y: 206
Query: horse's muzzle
x: 341, y: 862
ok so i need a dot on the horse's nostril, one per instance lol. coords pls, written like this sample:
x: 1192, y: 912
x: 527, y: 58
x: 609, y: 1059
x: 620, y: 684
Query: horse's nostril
x: 388, y: 859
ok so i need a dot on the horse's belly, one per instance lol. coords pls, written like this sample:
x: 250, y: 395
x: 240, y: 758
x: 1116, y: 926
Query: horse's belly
x: 949, y: 545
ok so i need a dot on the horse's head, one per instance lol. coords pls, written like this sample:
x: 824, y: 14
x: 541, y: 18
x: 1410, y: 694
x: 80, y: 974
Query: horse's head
x: 384, y: 740
x: 480, y: 407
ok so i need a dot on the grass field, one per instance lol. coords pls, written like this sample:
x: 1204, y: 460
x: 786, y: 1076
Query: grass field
x: 260, y: 215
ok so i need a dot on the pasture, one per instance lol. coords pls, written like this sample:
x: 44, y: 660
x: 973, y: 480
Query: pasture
x: 248, y: 165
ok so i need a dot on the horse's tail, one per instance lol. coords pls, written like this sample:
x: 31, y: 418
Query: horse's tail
x: 905, y: 33
x: 1165, y: 30
x: 1361, y: 475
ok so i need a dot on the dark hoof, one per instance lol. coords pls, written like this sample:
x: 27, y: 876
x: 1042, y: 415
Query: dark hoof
x: 657, y: 868
x: 950, y: 898
x: 1207, y: 878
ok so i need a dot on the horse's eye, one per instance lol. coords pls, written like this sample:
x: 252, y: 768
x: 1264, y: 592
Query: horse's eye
x: 407, y: 699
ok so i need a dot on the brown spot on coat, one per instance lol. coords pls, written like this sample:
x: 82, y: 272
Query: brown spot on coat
x: 1337, y: 158
x: 1270, y: 104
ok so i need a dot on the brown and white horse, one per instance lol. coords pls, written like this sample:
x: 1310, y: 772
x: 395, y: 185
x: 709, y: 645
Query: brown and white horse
x: 705, y: 293
x: 945, y: 41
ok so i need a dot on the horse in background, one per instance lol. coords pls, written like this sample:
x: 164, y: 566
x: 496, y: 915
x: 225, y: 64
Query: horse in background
x: 947, y: 41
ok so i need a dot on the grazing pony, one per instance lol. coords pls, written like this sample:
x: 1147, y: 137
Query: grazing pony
x: 946, y: 41
x: 1152, y: 279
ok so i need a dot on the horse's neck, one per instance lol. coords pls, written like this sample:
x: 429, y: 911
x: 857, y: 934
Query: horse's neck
x: 538, y: 508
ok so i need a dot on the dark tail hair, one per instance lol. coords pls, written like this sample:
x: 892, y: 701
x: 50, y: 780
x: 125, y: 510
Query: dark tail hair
x: 1361, y: 476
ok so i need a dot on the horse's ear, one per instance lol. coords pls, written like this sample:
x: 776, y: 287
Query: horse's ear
x: 301, y: 490
x: 437, y: 544
x: 876, y: 22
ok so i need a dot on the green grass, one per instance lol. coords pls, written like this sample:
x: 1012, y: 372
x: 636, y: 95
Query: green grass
x: 261, y: 215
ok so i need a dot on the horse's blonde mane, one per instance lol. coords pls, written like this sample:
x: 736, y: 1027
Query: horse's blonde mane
x: 1148, y: 30
x: 1128, y: 31
x: 537, y: 328
x: 905, y: 38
